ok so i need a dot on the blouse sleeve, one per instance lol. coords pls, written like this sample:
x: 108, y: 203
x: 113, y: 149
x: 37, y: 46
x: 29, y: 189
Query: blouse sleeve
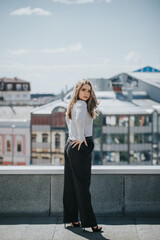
x: 80, y: 113
x: 67, y: 121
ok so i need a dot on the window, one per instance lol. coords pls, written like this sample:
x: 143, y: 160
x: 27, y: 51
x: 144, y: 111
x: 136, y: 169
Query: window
x: 115, y: 138
x: 110, y: 157
x: 44, y: 137
x: 8, y: 146
x: 115, y: 121
x: 34, y: 136
x: 140, y: 121
x: 9, y: 86
x: 0, y: 145
x: 19, y: 146
x: 59, y: 109
x: 57, y: 140
x: 1, y: 86
x: 18, y: 87
x: 25, y: 87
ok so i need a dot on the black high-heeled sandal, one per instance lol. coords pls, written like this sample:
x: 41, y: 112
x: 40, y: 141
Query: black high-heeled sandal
x: 97, y: 229
x: 75, y: 224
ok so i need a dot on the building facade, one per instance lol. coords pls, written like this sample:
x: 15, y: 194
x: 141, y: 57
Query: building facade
x: 15, y: 143
x: 129, y: 131
x: 15, y: 135
x: 48, y: 134
x: 14, y: 91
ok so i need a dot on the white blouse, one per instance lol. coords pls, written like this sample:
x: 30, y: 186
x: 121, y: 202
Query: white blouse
x: 81, y: 124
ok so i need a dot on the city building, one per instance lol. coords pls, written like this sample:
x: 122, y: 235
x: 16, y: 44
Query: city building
x: 14, y: 91
x: 101, y: 84
x: 48, y: 133
x: 40, y: 99
x: 130, y: 119
x: 15, y: 135
x: 127, y: 130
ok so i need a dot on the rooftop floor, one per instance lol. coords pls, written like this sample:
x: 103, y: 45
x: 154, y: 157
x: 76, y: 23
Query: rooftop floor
x: 49, y: 228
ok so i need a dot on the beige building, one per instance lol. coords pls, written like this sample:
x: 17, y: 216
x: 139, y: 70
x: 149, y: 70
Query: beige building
x: 48, y: 133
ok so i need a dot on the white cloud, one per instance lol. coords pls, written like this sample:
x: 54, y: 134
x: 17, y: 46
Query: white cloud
x: 28, y: 11
x: 133, y: 56
x: 76, y: 47
x: 53, y: 51
x: 22, y: 52
x: 40, y: 11
x: 72, y: 48
x: 107, y: 60
x: 19, y: 52
x: 73, y: 1
x: 78, y: 1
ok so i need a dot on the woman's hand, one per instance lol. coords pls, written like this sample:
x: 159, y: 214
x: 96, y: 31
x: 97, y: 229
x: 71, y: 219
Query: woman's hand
x: 76, y: 141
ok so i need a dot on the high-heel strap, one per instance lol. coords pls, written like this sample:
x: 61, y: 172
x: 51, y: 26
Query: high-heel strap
x: 97, y: 229
x: 75, y: 224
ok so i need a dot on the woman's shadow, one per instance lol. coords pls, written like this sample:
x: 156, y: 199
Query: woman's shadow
x: 87, y: 233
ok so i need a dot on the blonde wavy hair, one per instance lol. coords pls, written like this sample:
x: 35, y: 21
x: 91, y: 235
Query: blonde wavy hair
x: 92, y: 102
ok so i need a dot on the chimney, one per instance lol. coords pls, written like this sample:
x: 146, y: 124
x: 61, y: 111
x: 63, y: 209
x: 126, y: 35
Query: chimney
x: 62, y: 95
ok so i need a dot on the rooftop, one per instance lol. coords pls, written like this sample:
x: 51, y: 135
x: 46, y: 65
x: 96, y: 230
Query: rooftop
x: 108, y: 104
x: 12, y: 80
x: 48, y: 108
x: 125, y: 200
x: 150, y: 78
x: 116, y: 106
x: 15, y: 113
x: 49, y: 228
x: 147, y: 69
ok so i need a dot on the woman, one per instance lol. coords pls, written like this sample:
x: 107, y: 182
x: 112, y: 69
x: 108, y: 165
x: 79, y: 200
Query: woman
x: 77, y: 169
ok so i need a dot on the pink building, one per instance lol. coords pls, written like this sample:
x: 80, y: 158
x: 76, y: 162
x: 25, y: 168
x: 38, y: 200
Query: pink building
x: 15, y: 135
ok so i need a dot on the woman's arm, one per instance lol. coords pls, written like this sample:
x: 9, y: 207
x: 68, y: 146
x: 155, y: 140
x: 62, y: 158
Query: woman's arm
x: 67, y: 121
x: 80, y: 113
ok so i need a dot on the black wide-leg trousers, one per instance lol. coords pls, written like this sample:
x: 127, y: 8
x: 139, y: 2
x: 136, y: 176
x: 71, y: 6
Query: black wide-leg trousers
x: 77, y: 178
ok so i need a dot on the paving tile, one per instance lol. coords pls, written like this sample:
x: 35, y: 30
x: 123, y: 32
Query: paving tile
x: 27, y: 228
x: 52, y: 228
x: 148, y: 228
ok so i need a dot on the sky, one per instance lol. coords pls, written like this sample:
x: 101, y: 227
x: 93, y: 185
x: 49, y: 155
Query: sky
x: 54, y: 43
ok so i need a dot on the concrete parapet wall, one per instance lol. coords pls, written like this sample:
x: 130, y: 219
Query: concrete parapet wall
x: 115, y: 190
